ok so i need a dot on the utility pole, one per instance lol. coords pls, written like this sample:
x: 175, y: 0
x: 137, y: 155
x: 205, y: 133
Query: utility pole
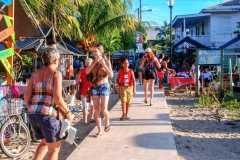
x: 138, y: 14
x: 140, y: 11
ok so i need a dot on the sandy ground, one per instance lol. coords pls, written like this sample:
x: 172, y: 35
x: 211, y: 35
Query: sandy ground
x: 66, y: 148
x: 200, y: 134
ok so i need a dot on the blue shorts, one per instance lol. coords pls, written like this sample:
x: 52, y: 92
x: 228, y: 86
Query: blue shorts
x: 45, y: 127
x: 101, y: 90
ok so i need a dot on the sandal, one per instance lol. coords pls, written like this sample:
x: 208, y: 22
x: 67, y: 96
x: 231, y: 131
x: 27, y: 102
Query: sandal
x: 85, y: 124
x: 122, y: 118
x: 92, y: 121
x: 106, y: 129
x: 127, y: 118
x: 98, y: 135
x: 145, y: 101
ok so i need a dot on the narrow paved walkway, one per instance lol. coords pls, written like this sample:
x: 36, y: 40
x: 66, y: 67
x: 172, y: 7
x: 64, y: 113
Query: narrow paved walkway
x: 147, y: 135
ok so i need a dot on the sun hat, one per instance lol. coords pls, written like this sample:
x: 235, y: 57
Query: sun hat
x: 148, y: 50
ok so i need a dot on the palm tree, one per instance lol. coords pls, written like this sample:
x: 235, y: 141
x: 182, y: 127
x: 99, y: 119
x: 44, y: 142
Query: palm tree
x: 60, y: 14
x: 112, y: 42
x: 128, y: 40
x: 100, y: 18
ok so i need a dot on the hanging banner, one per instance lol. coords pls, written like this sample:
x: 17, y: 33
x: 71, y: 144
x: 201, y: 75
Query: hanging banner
x: 6, y: 33
x: 8, y: 67
x: 6, y: 53
x: 6, y: 2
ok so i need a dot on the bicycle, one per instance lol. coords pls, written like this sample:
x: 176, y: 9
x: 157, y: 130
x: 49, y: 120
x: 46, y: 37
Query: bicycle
x: 14, y: 133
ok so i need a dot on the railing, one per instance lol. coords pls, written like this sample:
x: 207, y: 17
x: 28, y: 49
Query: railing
x: 203, y: 39
x: 214, y: 42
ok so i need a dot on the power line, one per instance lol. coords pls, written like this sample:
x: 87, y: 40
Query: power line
x: 158, y: 15
x: 151, y: 18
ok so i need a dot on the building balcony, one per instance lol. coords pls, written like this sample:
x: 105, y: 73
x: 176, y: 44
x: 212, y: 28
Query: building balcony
x: 203, y: 39
x: 215, y: 41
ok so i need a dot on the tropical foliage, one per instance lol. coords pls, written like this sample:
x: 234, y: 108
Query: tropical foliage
x: 59, y: 14
x: 100, y: 18
x: 163, y: 37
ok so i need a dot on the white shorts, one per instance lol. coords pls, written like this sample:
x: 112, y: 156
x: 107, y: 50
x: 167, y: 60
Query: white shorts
x: 84, y: 101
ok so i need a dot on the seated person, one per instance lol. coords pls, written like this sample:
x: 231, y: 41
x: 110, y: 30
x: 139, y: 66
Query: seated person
x: 185, y: 66
x: 207, y: 76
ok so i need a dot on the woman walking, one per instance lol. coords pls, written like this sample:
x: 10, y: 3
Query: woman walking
x: 150, y: 63
x: 85, y: 87
x: 44, y: 91
x: 100, y: 90
x: 139, y: 70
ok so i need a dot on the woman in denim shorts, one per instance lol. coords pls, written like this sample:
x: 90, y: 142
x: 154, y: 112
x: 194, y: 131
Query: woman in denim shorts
x: 102, y: 70
x: 44, y: 91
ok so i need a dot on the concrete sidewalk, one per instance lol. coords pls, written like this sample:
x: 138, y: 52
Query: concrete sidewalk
x: 147, y: 135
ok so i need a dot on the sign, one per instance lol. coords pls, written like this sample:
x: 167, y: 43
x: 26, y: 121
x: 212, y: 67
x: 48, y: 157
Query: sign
x: 9, y: 24
x: 209, y: 57
x: 6, y: 53
x: 6, y: 2
x: 6, y: 33
x: 8, y: 67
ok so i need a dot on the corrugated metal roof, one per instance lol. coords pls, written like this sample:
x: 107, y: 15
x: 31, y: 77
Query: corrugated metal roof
x: 152, y: 33
x: 233, y: 5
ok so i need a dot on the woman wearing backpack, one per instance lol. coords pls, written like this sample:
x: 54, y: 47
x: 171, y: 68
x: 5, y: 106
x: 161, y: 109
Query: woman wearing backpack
x: 150, y: 63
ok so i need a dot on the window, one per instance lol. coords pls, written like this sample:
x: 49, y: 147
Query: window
x: 202, y: 28
x: 197, y: 30
x: 224, y: 25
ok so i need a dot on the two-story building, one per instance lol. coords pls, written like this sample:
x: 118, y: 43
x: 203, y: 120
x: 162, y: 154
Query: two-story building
x: 212, y: 27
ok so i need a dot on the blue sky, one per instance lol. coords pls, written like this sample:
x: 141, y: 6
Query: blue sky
x: 161, y: 10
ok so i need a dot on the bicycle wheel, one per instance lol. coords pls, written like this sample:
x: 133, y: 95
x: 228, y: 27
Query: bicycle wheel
x: 14, y: 138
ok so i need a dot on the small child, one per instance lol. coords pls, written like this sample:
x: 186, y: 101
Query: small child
x: 127, y: 84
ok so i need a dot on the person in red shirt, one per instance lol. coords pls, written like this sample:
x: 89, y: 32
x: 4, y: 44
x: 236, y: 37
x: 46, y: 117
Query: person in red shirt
x: 86, y: 85
x: 69, y: 69
x: 69, y: 74
x: 127, y: 84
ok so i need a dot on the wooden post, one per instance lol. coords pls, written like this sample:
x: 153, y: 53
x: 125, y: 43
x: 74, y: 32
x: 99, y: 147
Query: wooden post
x: 238, y: 71
x: 10, y: 42
x: 230, y: 74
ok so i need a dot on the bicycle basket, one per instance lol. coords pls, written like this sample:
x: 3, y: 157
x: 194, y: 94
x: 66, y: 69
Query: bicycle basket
x: 15, y: 106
